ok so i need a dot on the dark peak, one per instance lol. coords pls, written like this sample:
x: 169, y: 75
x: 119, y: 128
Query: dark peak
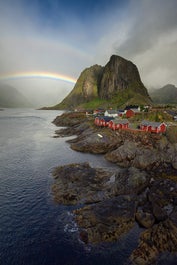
x: 120, y: 75
x: 168, y: 86
x: 121, y: 64
x: 118, y: 58
x: 116, y: 83
x: 95, y: 66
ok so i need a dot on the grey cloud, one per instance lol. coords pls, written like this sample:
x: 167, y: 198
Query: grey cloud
x: 152, y: 20
x: 150, y: 41
x: 144, y: 32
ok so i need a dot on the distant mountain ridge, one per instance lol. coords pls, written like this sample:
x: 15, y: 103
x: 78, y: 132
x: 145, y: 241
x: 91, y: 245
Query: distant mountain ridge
x: 116, y: 84
x: 10, y: 97
x: 164, y: 95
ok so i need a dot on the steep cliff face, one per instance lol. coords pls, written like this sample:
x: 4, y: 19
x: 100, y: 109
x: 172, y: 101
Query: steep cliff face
x: 118, y: 76
x: 85, y: 89
x: 115, y: 85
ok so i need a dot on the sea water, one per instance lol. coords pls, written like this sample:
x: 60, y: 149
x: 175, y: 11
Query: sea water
x: 34, y: 230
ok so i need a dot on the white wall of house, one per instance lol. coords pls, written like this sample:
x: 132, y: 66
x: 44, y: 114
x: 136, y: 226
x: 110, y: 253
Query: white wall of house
x: 107, y: 113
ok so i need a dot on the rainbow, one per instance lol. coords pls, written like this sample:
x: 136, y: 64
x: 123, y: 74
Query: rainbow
x: 44, y: 75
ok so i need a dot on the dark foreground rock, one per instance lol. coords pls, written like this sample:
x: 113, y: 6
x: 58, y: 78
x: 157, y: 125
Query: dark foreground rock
x: 94, y: 141
x: 80, y: 183
x: 113, y: 200
x: 159, y: 155
x: 108, y: 220
x: 162, y: 237
x: 158, y: 213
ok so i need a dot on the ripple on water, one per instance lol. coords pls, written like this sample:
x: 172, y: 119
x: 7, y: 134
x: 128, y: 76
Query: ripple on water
x: 33, y: 229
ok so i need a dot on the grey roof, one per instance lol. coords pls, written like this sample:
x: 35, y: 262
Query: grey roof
x: 105, y: 118
x: 120, y: 121
x: 151, y: 123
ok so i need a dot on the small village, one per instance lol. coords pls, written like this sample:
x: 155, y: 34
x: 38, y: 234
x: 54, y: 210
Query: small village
x: 125, y: 119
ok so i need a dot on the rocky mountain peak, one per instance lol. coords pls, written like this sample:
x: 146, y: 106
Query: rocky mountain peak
x: 117, y: 83
x: 120, y: 74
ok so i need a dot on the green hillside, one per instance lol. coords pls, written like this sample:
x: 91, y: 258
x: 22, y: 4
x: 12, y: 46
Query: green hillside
x: 115, y: 85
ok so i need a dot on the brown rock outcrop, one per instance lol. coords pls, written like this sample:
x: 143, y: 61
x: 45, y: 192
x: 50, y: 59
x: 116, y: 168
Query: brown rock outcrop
x: 119, y: 75
x: 80, y: 183
x: 160, y: 238
x: 115, y: 83
x: 119, y: 198
x: 152, y: 152
x: 107, y: 220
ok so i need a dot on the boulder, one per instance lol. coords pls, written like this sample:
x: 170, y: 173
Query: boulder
x: 95, y: 142
x: 160, y: 238
x: 145, y: 219
x: 80, y: 183
x: 106, y: 221
x: 162, y: 196
x: 130, y: 181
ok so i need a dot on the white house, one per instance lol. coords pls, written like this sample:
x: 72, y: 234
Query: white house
x: 111, y: 113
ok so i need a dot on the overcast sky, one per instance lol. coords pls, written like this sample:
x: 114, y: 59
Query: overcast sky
x: 65, y: 37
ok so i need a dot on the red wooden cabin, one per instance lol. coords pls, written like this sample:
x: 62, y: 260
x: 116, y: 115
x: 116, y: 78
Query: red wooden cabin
x: 155, y: 127
x: 103, y: 121
x: 130, y: 113
x: 119, y: 124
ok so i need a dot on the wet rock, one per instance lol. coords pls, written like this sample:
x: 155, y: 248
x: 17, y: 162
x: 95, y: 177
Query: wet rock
x: 145, y: 219
x: 115, y: 200
x: 83, y: 235
x: 131, y: 154
x: 158, y: 212
x: 70, y: 119
x: 162, y: 235
x: 147, y: 154
x: 96, y: 142
x: 173, y: 216
x: 130, y: 181
x: 80, y: 183
x: 107, y: 220
x: 160, y: 238
x: 162, y: 196
x: 117, y: 197
x: 72, y: 130
x: 126, y: 148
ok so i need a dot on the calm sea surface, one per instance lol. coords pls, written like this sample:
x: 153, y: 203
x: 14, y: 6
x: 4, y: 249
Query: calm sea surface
x: 34, y: 230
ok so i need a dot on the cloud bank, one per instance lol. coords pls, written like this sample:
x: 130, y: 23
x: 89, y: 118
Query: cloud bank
x: 36, y: 36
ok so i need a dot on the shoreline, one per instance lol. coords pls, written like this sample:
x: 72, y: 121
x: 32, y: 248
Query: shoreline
x: 153, y: 153
x: 141, y: 190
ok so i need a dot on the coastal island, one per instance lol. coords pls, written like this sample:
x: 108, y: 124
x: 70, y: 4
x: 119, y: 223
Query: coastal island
x: 142, y: 189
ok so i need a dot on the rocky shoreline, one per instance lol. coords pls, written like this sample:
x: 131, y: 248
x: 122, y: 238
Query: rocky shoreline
x: 111, y: 201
